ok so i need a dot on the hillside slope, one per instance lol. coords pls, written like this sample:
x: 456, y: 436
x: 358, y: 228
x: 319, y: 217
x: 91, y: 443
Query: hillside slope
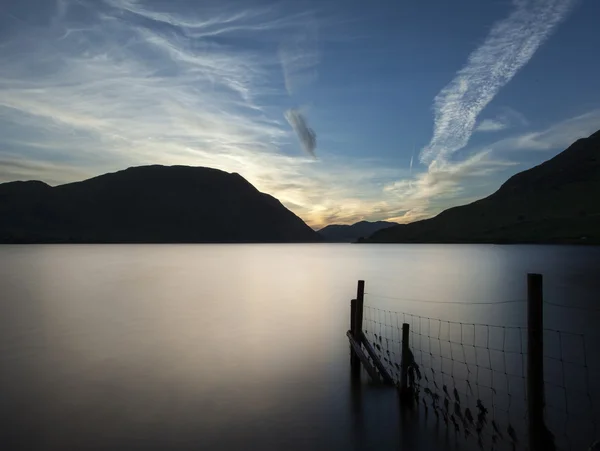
x: 555, y: 202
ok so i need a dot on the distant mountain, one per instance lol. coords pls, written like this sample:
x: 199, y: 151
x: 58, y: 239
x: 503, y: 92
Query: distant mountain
x: 148, y: 204
x: 555, y: 202
x: 351, y: 233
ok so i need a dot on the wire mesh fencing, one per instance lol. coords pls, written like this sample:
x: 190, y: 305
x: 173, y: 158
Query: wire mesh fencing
x: 571, y: 396
x: 471, y: 378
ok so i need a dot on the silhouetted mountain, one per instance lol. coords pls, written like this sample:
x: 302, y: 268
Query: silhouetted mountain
x: 555, y: 202
x: 351, y: 233
x: 147, y: 204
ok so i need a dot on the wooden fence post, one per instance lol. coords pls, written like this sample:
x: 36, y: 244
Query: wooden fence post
x: 354, y: 360
x: 404, y: 361
x: 353, y: 316
x: 356, y: 307
x: 358, y: 340
x: 360, y: 302
x: 539, y: 436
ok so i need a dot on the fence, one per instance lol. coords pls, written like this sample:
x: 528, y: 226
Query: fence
x: 497, y: 387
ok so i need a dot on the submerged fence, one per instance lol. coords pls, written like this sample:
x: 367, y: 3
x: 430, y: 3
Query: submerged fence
x: 498, y: 387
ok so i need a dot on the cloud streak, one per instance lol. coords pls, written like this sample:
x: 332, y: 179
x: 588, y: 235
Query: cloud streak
x: 506, y: 119
x: 555, y: 137
x: 492, y: 125
x: 306, y: 135
x: 299, y: 56
x: 508, y: 47
x: 419, y: 195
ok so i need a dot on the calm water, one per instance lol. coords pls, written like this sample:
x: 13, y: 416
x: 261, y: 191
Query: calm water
x: 240, y: 346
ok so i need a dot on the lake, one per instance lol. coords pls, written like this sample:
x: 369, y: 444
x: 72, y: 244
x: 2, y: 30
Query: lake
x: 233, y: 347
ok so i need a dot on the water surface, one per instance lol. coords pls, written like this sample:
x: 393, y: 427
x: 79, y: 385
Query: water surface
x: 239, y: 346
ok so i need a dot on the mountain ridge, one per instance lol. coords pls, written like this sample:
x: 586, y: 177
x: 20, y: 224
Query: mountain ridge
x: 352, y: 232
x: 147, y: 204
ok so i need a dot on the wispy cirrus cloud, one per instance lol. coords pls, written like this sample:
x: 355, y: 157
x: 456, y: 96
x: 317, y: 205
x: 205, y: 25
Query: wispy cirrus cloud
x: 443, y: 183
x: 555, y: 137
x: 492, y: 125
x: 14, y: 167
x: 509, y: 46
x: 299, y: 56
x: 105, y: 85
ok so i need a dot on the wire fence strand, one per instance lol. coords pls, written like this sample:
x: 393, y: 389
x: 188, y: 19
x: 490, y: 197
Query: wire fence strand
x: 430, y: 301
x: 471, y: 377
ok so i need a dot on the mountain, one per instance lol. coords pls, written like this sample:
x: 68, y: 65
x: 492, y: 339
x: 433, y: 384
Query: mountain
x: 351, y: 233
x: 555, y: 202
x: 147, y: 204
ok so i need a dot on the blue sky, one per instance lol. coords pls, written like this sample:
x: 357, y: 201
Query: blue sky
x: 344, y: 110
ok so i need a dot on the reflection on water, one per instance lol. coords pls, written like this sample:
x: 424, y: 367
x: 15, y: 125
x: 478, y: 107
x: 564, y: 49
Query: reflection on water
x: 239, y: 346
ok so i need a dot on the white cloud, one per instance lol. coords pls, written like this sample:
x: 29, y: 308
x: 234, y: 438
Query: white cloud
x: 299, y: 56
x: 15, y: 168
x: 513, y: 117
x: 509, y: 45
x: 211, y: 22
x: 507, y: 118
x: 556, y: 137
x: 443, y: 183
x: 446, y: 179
x: 492, y: 125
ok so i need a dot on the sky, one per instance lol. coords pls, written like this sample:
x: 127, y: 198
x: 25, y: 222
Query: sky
x: 344, y: 110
